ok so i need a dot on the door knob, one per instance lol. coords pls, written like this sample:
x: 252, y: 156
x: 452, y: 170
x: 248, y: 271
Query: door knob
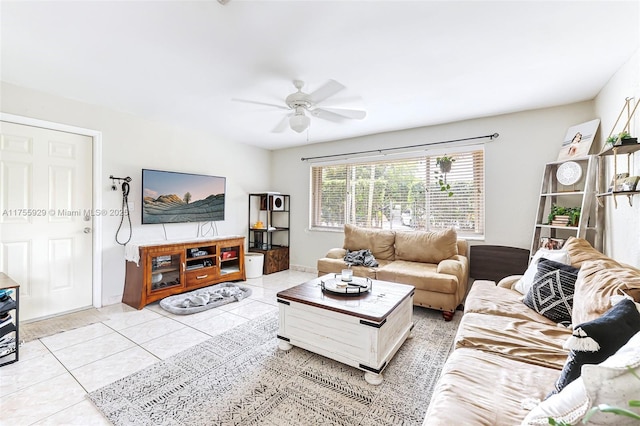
x: 87, y: 230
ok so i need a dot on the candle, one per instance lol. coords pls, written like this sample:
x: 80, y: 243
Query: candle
x: 347, y: 275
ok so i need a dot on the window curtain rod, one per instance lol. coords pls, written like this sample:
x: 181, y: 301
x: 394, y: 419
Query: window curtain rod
x: 380, y: 151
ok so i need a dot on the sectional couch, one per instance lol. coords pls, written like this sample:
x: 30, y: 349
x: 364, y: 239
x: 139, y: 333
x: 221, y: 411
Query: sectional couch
x: 508, y: 357
x: 435, y: 263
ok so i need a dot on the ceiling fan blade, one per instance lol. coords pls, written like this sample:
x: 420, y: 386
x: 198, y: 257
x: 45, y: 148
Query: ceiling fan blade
x: 356, y: 114
x: 246, y: 101
x: 327, y: 115
x: 282, y: 124
x: 330, y: 88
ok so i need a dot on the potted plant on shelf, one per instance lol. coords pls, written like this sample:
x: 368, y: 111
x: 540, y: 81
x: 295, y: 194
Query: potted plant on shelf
x: 444, y: 166
x: 564, y: 216
x: 622, y: 138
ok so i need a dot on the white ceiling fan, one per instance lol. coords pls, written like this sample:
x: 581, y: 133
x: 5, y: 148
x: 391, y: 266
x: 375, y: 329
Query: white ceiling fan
x: 300, y: 103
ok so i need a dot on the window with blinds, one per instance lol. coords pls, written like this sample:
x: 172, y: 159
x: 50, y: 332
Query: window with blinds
x: 401, y: 194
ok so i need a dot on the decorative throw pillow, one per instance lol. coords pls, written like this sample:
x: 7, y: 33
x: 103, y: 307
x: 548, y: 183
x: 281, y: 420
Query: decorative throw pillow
x: 613, y: 382
x: 551, y: 293
x: 525, y: 282
x: 594, y: 341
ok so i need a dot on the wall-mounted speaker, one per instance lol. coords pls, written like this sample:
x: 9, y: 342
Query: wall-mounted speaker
x: 276, y: 202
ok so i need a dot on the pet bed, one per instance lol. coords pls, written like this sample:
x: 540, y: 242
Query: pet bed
x: 204, y: 298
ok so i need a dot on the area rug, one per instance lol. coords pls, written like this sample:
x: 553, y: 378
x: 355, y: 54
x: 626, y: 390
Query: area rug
x: 242, y: 378
x: 204, y: 298
x: 48, y: 327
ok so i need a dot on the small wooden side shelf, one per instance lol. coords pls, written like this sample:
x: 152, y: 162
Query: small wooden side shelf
x: 615, y: 152
x: 271, y: 238
x: 172, y: 268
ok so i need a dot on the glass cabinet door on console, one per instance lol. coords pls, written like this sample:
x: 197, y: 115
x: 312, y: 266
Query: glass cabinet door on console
x: 165, y: 271
x: 231, y: 257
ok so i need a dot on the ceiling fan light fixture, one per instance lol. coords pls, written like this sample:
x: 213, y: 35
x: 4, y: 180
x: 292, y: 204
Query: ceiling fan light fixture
x: 299, y: 103
x: 299, y: 122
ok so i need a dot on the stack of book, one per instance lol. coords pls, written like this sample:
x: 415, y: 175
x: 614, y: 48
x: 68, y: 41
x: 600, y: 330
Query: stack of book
x: 560, y: 221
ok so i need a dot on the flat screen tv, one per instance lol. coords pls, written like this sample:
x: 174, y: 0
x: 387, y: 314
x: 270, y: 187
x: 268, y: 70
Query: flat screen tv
x: 173, y: 197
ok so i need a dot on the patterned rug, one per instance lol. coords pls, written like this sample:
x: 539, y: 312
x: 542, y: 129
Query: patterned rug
x: 241, y: 378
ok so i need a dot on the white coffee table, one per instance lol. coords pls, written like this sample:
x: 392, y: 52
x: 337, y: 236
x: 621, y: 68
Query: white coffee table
x: 363, y: 331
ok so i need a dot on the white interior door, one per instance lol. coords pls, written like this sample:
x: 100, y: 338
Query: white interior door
x: 46, y: 222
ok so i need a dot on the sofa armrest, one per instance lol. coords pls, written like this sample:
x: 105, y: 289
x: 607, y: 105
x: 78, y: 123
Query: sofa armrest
x: 452, y: 266
x: 510, y: 281
x: 336, y: 253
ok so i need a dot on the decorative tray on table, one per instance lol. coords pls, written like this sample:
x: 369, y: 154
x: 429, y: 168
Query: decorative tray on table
x: 353, y: 287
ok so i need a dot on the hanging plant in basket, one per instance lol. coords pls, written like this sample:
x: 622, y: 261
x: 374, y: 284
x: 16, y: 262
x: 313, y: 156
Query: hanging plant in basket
x: 444, y: 164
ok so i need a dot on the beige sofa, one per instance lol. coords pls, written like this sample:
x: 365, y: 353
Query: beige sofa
x: 435, y: 263
x: 507, y: 357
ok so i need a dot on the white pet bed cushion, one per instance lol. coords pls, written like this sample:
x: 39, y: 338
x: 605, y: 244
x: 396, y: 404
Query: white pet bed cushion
x: 204, y: 298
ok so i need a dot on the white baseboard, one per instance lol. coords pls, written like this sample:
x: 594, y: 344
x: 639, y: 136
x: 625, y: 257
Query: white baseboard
x: 303, y: 269
x: 112, y: 300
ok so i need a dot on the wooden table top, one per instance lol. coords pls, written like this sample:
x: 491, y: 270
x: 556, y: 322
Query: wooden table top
x: 374, y: 305
x: 6, y: 282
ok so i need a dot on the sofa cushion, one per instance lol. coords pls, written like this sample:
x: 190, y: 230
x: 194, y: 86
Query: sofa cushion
x: 597, y: 282
x: 425, y: 246
x: 594, y: 341
x: 423, y: 276
x: 524, y: 283
x: 482, y: 388
x: 551, y: 293
x: 613, y: 382
x: 487, y: 298
x: 380, y: 242
x: 580, y: 251
x: 520, y: 339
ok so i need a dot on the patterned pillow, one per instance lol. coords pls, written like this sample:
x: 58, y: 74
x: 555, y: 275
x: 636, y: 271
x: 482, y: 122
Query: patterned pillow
x: 551, y: 293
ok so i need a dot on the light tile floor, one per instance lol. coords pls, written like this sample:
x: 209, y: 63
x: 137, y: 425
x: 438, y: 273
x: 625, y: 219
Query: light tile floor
x: 48, y: 386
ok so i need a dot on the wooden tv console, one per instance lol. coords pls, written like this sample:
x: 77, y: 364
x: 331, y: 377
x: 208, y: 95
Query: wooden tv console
x: 172, y: 268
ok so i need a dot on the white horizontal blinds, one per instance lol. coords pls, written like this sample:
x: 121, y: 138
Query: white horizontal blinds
x: 328, y: 196
x: 400, y: 194
x: 381, y: 191
x: 464, y: 210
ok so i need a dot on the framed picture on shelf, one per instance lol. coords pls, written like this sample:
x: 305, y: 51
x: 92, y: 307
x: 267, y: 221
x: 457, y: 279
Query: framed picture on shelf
x: 551, y: 243
x: 630, y: 183
x: 578, y: 140
x: 616, y: 182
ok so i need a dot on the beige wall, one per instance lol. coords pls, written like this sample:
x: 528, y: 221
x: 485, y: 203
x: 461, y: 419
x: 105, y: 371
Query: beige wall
x: 622, y: 224
x: 130, y: 144
x: 514, y: 167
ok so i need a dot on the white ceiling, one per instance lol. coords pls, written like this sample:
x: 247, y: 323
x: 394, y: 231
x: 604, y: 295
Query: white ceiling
x: 408, y: 64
